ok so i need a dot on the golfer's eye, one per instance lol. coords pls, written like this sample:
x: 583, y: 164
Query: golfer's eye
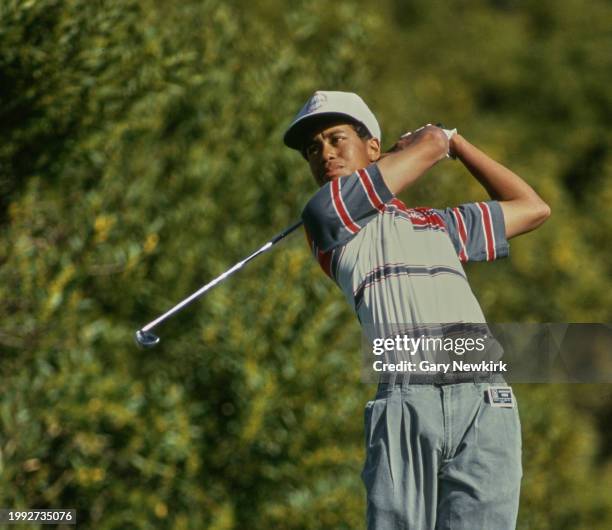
x: 336, y: 139
x: 311, y: 150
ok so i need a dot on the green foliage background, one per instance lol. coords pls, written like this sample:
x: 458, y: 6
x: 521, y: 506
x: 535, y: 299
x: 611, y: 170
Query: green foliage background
x: 141, y: 155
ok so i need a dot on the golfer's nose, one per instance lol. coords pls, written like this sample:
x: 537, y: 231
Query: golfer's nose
x: 328, y: 152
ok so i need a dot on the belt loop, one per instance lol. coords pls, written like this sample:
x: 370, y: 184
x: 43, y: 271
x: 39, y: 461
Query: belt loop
x: 478, y: 377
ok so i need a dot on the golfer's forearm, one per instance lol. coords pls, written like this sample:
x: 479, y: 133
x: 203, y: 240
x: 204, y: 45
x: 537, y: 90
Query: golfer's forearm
x: 523, y: 208
x: 501, y: 183
x: 402, y: 168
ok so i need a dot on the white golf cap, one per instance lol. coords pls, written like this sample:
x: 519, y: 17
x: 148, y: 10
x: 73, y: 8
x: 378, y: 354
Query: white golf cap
x: 328, y: 103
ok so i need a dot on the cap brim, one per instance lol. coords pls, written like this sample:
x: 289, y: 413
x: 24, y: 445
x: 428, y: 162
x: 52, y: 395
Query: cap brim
x: 295, y: 135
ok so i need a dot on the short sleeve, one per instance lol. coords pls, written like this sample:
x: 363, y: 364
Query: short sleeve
x: 344, y: 206
x: 477, y: 230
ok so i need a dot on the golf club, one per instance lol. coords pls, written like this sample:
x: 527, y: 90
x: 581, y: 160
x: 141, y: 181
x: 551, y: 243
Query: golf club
x: 146, y: 339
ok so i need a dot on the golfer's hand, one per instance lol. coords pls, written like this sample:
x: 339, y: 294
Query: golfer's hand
x: 408, y: 138
x: 404, y: 141
x: 412, y: 155
x: 453, y: 144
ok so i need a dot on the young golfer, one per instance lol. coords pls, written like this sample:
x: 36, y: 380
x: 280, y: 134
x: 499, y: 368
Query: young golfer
x: 443, y: 450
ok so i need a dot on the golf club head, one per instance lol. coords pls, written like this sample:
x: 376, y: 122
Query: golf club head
x: 146, y: 339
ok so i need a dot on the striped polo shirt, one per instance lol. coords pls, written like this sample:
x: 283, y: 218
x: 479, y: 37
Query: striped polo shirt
x: 398, y: 265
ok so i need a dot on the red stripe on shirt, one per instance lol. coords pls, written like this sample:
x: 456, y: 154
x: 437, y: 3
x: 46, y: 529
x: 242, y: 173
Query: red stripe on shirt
x: 426, y: 217
x: 488, y: 230
x: 398, y: 204
x: 349, y: 224
x: 433, y: 219
x: 462, y: 233
x: 368, y: 186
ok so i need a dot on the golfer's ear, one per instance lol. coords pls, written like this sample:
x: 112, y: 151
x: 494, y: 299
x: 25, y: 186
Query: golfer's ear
x: 373, y: 149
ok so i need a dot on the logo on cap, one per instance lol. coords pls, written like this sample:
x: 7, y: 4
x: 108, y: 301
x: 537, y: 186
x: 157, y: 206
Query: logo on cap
x: 316, y: 102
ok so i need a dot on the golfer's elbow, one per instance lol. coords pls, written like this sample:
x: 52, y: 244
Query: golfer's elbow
x: 524, y: 215
x: 536, y: 211
x: 544, y: 212
x: 539, y: 212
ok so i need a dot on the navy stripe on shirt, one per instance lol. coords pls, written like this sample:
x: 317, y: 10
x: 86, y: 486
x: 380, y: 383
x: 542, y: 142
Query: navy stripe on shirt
x: 399, y: 269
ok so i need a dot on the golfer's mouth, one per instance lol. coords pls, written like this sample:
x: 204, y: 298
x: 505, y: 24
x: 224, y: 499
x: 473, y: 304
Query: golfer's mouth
x: 332, y: 172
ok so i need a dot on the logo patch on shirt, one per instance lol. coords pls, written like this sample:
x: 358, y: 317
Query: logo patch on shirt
x: 500, y: 396
x: 414, y: 214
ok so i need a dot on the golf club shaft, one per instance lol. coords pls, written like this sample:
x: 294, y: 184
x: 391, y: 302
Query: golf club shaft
x: 220, y: 278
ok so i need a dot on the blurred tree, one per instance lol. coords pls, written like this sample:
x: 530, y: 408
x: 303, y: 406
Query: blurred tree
x: 123, y: 124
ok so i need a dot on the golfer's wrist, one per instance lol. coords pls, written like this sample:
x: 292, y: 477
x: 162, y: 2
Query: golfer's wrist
x: 455, y: 146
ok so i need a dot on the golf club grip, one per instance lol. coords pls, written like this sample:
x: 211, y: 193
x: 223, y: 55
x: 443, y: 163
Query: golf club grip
x: 286, y: 232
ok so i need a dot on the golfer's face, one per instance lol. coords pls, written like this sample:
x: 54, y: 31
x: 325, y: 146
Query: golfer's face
x: 336, y: 150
